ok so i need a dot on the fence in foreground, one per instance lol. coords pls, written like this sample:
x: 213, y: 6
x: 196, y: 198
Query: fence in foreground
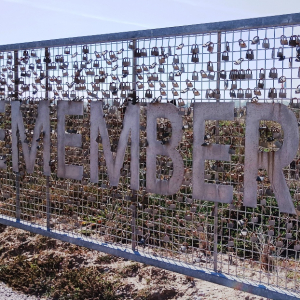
x: 174, y: 147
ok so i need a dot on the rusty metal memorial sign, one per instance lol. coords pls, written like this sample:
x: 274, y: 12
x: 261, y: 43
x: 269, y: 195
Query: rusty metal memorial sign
x: 175, y: 147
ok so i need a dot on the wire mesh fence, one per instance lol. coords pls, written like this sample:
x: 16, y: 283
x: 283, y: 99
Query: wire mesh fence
x: 67, y: 179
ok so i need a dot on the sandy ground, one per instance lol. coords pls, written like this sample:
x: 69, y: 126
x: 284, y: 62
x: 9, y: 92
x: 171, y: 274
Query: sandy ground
x: 138, y: 281
x: 200, y: 291
x: 8, y: 293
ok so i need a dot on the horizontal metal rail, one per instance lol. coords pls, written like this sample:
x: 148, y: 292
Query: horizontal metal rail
x: 281, y: 20
x: 160, y: 262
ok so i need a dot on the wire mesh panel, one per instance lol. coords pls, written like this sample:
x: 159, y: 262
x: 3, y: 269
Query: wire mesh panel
x: 113, y: 143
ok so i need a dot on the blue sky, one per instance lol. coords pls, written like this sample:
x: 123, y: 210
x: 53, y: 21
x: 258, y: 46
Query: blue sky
x: 34, y: 20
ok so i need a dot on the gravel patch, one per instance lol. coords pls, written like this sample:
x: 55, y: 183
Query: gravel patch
x: 7, y: 293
